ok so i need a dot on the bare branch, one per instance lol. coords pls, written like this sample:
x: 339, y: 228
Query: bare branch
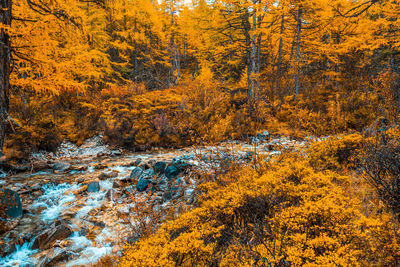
x: 357, y: 10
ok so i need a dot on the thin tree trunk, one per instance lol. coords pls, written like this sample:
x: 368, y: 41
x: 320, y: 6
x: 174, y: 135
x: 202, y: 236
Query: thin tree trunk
x: 258, y: 53
x: 5, y: 58
x: 171, y: 48
x: 299, y: 18
x: 177, y: 64
x: 253, y: 56
x: 246, y: 27
x: 135, y: 60
x: 289, y: 85
x: 259, y: 39
x: 337, y: 68
x: 278, y: 70
x: 174, y: 53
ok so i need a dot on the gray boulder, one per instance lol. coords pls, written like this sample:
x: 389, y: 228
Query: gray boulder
x: 136, y: 173
x: 105, y: 175
x: 177, y: 166
x: 57, y: 231
x: 7, y: 246
x: 61, y: 166
x: 175, y: 191
x: 93, y: 187
x: 142, y: 185
x: 148, y: 174
x: 145, y: 179
x: 137, y: 162
x: 12, y: 203
x: 144, y: 166
x: 40, y: 165
x: 53, y: 257
x: 152, y: 162
x: 172, y: 171
x: 159, y: 167
x: 163, y: 182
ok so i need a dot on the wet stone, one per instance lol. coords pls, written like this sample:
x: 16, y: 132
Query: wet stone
x: 142, y: 185
x: 36, y: 187
x: 19, y: 168
x: 12, y: 202
x: 148, y: 174
x: 61, y: 166
x: 189, y: 195
x: 100, y: 167
x: 144, y: 166
x: 159, y: 167
x: 136, y: 173
x: 93, y: 187
x: 129, y: 189
x: 80, y: 190
x: 53, y: 257
x: 76, y: 169
x: 40, y: 165
x: 175, y: 191
x: 17, y: 187
x: 137, y: 162
x: 123, y: 210
x: 7, y: 245
x: 105, y: 176
x: 117, y: 184
x: 57, y: 231
x: 116, y: 152
x: 163, y: 182
x: 172, y: 171
x: 117, y: 195
x: 152, y: 162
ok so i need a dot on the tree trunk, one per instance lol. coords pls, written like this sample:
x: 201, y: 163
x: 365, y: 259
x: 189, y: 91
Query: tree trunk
x: 246, y: 28
x: 246, y: 31
x: 171, y: 49
x: 174, y: 71
x: 5, y: 58
x: 299, y: 18
x: 278, y: 70
x: 253, y: 92
x: 135, y: 54
x: 337, y: 68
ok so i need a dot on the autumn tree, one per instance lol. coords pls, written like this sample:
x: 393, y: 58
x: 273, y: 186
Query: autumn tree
x: 32, y: 46
x: 170, y: 9
x: 5, y: 60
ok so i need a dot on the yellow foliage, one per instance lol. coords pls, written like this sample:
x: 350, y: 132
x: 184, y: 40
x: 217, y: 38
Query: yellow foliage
x: 288, y: 215
x: 323, y: 113
x: 54, y: 55
x: 336, y: 152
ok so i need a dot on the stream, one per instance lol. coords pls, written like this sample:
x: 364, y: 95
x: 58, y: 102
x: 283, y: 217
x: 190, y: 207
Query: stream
x: 82, y: 202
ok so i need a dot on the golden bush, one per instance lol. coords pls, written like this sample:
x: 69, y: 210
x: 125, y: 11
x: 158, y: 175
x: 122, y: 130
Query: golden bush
x: 337, y: 152
x: 289, y: 215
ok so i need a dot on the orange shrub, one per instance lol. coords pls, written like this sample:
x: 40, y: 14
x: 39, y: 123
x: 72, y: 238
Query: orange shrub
x: 287, y: 215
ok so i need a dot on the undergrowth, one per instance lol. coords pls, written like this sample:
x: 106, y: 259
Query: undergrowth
x: 199, y: 111
x: 291, y: 210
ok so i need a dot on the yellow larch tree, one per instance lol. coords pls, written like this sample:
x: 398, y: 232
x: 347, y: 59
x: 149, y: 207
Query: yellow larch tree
x: 53, y: 55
